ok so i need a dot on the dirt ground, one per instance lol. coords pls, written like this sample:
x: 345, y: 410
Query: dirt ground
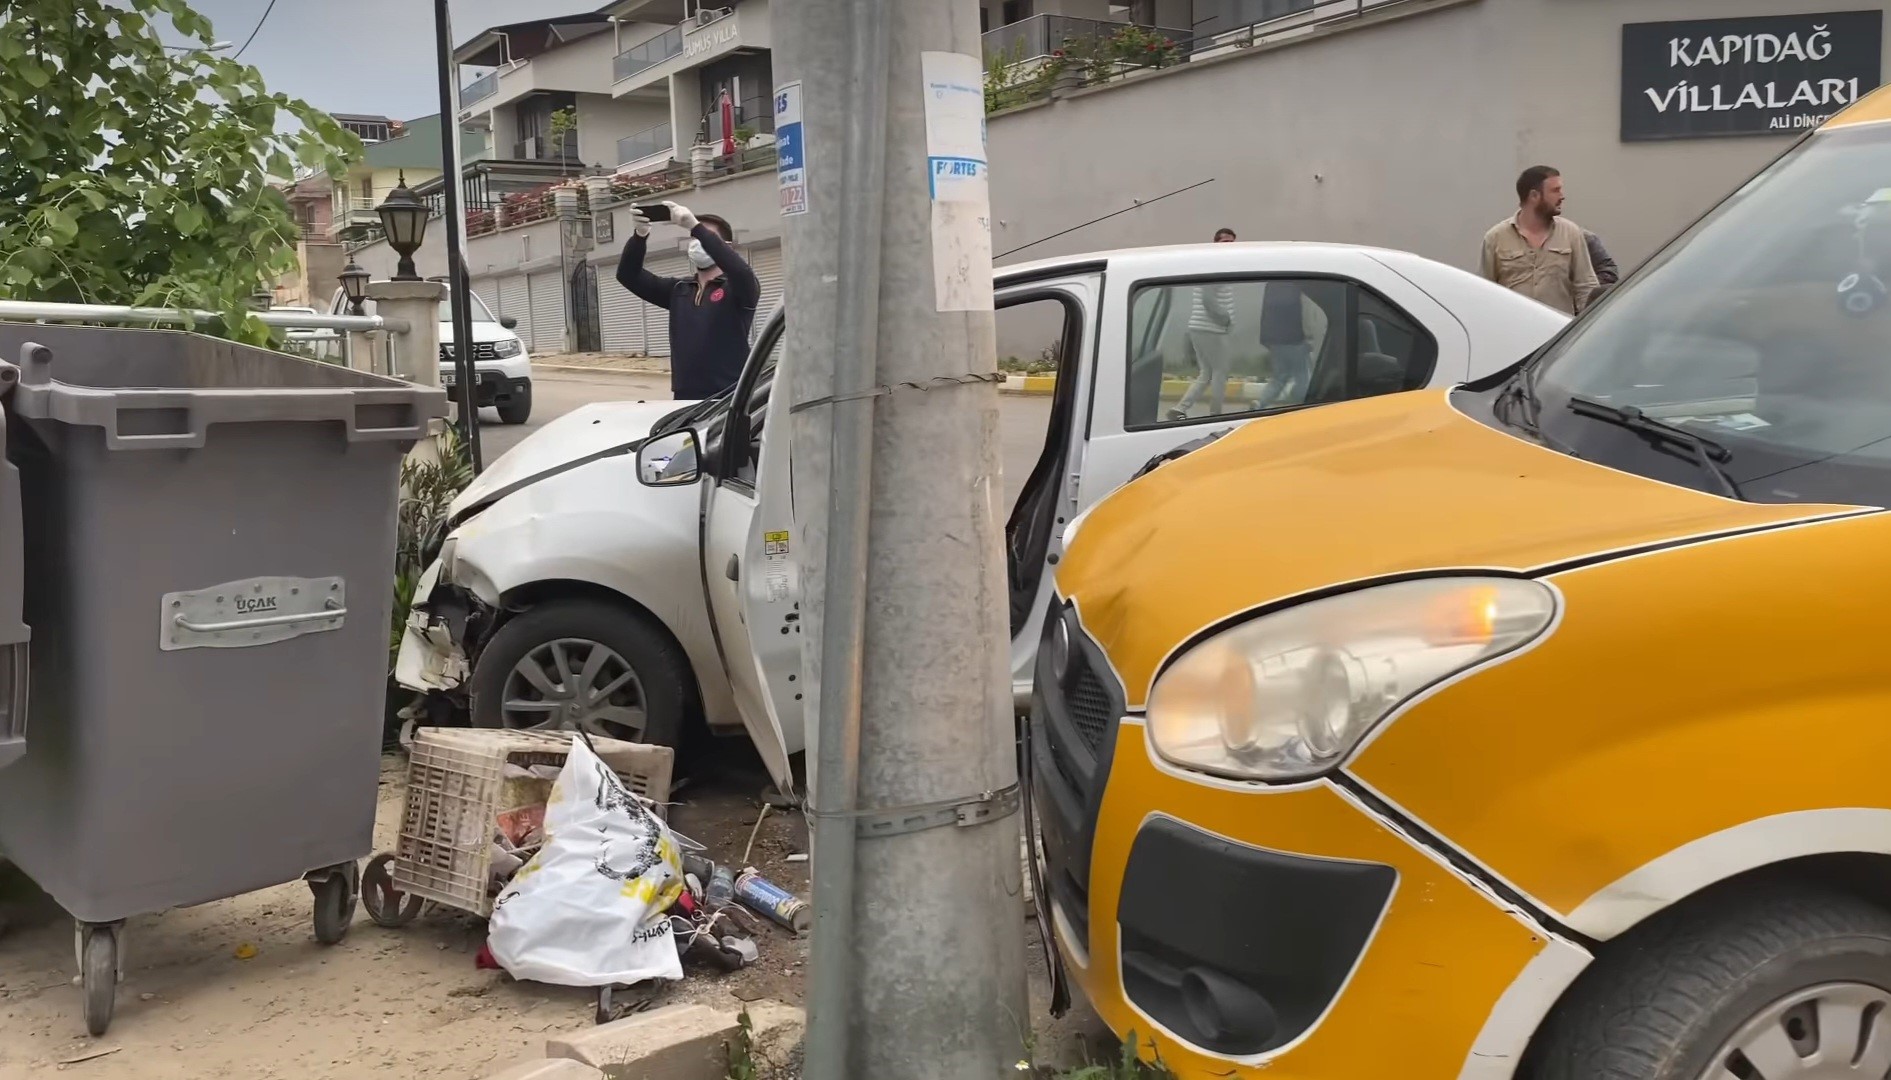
x: 240, y: 988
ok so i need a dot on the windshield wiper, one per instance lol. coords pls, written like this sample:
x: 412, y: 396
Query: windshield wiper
x: 1528, y: 414
x: 1711, y: 455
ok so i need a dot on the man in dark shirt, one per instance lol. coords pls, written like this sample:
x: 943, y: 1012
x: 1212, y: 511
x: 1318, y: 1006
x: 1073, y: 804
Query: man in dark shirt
x: 710, y: 314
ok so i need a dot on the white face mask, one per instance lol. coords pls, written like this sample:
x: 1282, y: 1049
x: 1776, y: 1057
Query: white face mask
x: 699, y: 256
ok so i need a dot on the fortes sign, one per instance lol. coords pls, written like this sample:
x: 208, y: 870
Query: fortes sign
x: 1757, y: 76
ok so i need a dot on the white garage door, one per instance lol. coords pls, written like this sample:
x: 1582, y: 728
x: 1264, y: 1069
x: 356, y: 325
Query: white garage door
x: 548, y: 312
x: 767, y: 265
x: 515, y: 301
x: 487, y: 289
x: 620, y: 316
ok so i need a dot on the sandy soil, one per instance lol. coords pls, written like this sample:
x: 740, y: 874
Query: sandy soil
x: 406, y: 1003
x: 383, y: 1003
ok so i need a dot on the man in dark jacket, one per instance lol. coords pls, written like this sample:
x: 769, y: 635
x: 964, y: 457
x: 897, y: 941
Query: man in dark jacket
x: 1607, y: 273
x: 710, y: 313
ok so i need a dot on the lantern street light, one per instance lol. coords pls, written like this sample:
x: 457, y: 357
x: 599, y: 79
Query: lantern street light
x: 354, y: 285
x: 404, y: 223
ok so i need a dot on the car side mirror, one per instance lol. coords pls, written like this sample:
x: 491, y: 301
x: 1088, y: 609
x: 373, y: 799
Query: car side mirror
x: 669, y: 460
x: 508, y: 322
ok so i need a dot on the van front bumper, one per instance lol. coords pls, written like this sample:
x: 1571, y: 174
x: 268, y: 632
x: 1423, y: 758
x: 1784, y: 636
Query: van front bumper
x: 1241, y: 929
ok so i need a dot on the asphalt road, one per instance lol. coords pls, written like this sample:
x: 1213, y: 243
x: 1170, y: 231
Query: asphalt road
x: 1023, y: 419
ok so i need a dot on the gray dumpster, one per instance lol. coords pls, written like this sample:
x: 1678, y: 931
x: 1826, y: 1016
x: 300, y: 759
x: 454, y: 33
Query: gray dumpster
x: 14, y: 634
x: 209, y: 551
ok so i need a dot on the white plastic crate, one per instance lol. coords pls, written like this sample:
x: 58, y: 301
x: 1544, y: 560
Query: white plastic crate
x: 455, y: 778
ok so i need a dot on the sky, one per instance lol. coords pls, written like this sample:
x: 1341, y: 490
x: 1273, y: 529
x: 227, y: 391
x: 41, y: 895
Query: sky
x: 361, y: 56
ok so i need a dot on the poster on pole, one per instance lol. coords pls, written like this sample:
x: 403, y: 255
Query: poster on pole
x: 791, y: 162
x: 958, y: 180
x: 1764, y: 75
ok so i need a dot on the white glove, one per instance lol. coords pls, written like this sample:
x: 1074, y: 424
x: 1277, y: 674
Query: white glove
x: 681, y: 216
x: 638, y: 223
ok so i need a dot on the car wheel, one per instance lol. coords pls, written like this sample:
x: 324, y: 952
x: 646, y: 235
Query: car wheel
x: 519, y: 409
x: 1779, y: 983
x: 584, y: 665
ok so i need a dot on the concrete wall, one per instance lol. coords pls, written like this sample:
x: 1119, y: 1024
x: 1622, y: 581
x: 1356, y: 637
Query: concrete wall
x: 602, y: 120
x: 1406, y: 131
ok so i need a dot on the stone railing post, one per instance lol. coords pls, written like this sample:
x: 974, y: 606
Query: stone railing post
x: 414, y: 355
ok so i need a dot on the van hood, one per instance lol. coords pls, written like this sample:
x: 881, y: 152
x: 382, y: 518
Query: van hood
x: 1323, y: 497
x: 579, y: 436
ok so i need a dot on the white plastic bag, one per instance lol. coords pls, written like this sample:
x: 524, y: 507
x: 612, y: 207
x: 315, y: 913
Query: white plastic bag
x: 590, y: 908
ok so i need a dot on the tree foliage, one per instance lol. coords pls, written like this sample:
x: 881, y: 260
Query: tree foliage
x: 133, y: 173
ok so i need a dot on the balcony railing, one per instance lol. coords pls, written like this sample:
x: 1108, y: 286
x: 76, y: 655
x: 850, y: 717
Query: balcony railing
x: 648, y: 54
x: 646, y: 143
x: 547, y: 148
x: 757, y: 114
x: 1040, y: 35
x: 483, y: 87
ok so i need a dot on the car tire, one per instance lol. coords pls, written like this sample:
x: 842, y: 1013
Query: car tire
x: 519, y: 409
x: 662, y: 671
x: 1704, y: 983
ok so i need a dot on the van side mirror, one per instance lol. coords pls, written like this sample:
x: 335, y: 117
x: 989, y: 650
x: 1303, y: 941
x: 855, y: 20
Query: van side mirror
x: 669, y: 460
x: 508, y: 322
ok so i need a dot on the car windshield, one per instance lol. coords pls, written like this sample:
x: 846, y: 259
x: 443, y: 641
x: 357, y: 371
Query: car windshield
x: 1757, y: 346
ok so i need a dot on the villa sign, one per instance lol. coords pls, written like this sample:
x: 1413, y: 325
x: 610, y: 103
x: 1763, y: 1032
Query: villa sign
x: 1751, y: 76
x: 712, y: 38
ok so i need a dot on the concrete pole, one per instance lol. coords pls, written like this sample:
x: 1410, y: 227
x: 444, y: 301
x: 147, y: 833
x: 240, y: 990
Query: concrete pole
x: 918, y: 947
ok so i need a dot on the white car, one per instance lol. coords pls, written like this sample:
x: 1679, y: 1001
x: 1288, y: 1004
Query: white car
x: 631, y: 569
x: 500, y: 359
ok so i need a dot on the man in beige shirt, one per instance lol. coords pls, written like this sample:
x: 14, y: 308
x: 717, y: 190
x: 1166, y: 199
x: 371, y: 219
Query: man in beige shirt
x: 1539, y: 252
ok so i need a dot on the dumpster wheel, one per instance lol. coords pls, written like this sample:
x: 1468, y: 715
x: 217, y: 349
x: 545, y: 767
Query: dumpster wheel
x: 387, y: 905
x: 335, y: 892
x: 99, y: 973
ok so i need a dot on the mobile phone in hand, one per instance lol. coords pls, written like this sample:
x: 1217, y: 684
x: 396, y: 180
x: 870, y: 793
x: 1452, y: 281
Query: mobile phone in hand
x: 654, y: 212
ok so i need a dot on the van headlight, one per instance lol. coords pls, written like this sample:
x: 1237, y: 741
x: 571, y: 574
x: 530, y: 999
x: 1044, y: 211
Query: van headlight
x: 1288, y: 695
x: 505, y: 347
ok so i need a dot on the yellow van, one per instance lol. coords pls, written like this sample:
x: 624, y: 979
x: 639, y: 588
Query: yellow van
x: 1537, y: 728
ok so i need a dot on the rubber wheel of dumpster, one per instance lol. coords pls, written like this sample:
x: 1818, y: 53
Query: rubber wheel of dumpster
x: 334, y: 905
x: 387, y: 905
x: 98, y: 975
x: 519, y: 409
x: 661, y: 694
x: 1775, y: 980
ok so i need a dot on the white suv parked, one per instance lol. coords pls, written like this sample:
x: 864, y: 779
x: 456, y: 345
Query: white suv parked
x: 500, y: 359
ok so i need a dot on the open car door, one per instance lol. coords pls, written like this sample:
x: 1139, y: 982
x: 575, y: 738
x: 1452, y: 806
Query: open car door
x: 749, y: 565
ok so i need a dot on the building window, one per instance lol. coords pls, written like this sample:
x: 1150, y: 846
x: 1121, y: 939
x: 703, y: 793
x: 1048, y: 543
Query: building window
x: 1015, y: 10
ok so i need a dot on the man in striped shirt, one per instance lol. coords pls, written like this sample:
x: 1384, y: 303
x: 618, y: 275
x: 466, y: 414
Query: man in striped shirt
x: 1209, y: 323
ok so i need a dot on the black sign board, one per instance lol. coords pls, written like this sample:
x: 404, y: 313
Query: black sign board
x: 1759, y: 76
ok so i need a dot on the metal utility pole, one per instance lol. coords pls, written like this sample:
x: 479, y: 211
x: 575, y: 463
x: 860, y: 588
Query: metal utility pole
x: 918, y: 965
x: 459, y: 289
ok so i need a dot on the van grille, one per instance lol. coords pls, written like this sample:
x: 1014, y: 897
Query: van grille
x: 482, y: 350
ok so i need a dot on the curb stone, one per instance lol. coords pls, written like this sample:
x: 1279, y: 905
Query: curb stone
x: 677, y: 1042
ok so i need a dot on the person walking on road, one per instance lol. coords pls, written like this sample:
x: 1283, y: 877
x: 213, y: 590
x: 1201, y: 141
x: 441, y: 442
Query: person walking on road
x: 1209, y: 324
x: 710, y: 313
x: 1539, y: 252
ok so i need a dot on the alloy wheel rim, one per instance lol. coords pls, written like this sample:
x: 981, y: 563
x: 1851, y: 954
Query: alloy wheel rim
x: 574, y: 684
x: 1826, y: 1032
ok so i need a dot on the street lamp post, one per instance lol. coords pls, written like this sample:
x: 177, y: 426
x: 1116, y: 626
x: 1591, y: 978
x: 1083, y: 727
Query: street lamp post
x: 354, y: 285
x: 404, y: 223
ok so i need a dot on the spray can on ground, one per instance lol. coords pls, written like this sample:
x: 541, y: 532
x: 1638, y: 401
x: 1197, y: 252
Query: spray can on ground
x: 759, y: 894
x: 719, y: 891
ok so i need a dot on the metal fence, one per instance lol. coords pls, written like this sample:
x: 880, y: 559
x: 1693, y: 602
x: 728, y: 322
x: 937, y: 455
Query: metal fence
x: 647, y: 55
x: 1041, y: 35
x: 547, y: 148
x: 483, y: 87
x: 646, y: 143
x: 114, y: 314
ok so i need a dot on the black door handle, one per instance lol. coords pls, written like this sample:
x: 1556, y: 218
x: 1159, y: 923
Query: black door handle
x: 734, y: 569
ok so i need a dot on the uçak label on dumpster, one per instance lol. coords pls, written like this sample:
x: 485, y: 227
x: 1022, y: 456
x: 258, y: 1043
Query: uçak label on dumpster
x: 253, y: 611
